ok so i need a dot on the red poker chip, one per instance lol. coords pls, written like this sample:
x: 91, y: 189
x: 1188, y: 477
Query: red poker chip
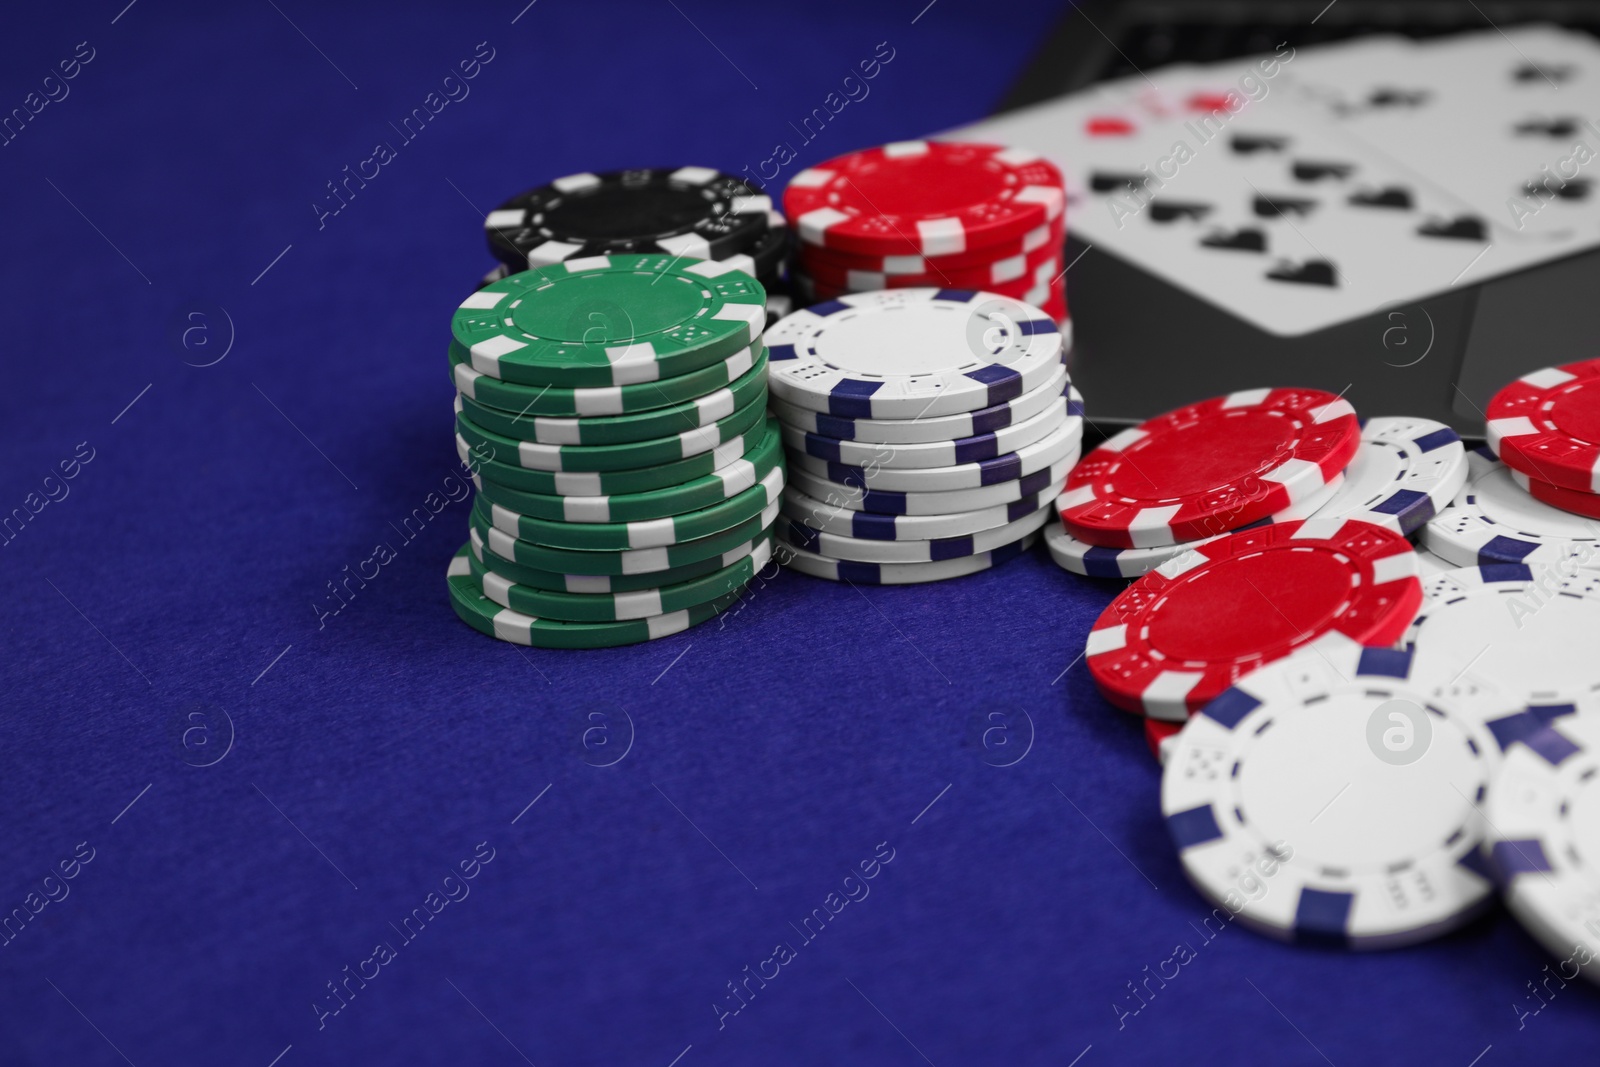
x: 1547, y: 425
x: 1573, y: 500
x: 1006, y: 271
x: 923, y: 198
x: 1047, y: 235
x: 1156, y: 732
x: 1209, y: 467
x: 1025, y: 289
x: 1186, y: 631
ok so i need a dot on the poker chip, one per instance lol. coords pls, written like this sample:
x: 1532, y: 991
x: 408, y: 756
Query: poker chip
x: 840, y: 570
x: 604, y: 583
x: 1209, y: 467
x: 724, y: 483
x: 610, y: 320
x: 1429, y: 564
x: 1049, y: 235
x: 923, y: 198
x: 1492, y: 520
x: 1547, y: 425
x: 1186, y: 631
x: 922, y: 430
x: 604, y: 401
x: 1097, y: 561
x: 1027, y: 269
x: 1159, y: 737
x: 643, y: 533
x: 618, y: 607
x: 1332, y: 798
x: 690, y: 212
x: 628, y: 456
x: 1058, y: 446
x: 884, y: 502
x: 1525, y: 632
x: 911, y: 353
x: 481, y: 458
x: 485, y: 616
x: 1404, y: 473
x: 861, y: 550
x: 1573, y: 500
x: 1544, y: 836
x: 869, y: 526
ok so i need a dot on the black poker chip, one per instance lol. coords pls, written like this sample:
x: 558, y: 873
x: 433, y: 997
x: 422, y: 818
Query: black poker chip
x: 694, y: 212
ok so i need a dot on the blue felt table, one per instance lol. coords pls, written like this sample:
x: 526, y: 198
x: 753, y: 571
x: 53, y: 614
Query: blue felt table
x: 252, y: 791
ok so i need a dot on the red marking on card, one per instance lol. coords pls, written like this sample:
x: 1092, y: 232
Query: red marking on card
x: 1107, y: 127
x: 1209, y: 102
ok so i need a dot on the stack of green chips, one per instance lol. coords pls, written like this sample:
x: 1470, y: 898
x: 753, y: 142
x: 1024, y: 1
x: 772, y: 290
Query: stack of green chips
x: 613, y: 410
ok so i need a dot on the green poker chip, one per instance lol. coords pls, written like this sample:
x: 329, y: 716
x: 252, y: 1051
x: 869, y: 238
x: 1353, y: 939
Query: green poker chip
x: 618, y: 607
x: 485, y: 616
x: 599, y: 458
x: 605, y: 583
x: 626, y: 561
x: 645, y: 533
x: 610, y: 320
x: 603, y: 400
x: 602, y: 483
x: 721, y: 484
x: 621, y: 429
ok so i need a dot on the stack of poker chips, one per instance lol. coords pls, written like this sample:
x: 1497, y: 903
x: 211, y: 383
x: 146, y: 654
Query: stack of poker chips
x: 693, y: 212
x: 919, y: 214
x: 613, y: 411
x: 929, y: 432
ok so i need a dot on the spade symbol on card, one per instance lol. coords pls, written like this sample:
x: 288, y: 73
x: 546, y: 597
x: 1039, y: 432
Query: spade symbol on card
x: 1392, y: 196
x: 1106, y: 182
x: 1314, y: 172
x: 1248, y: 144
x: 1311, y: 272
x: 1167, y: 211
x: 1535, y: 72
x: 1555, y: 129
x: 1397, y: 98
x: 1271, y: 207
x: 1460, y: 228
x: 1244, y: 239
x: 1571, y: 189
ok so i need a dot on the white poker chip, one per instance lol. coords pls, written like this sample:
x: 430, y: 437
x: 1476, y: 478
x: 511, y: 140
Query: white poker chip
x: 843, y: 570
x: 1100, y: 561
x: 1544, y: 836
x: 861, y: 550
x: 916, y: 431
x: 868, y: 525
x: 1330, y: 797
x: 1529, y: 633
x: 1494, y: 520
x: 883, y: 502
x: 1405, y: 472
x: 907, y: 353
x: 1429, y: 564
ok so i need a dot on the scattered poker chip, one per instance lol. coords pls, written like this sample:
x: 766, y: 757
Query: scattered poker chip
x: 1526, y: 632
x: 1097, y: 561
x: 840, y: 570
x: 765, y: 455
x: 1574, y: 500
x: 923, y: 198
x: 481, y: 458
x: 629, y: 456
x: 485, y: 616
x: 602, y: 401
x: 915, y: 431
x: 938, y: 453
x: 1405, y: 472
x: 868, y: 526
x: 1492, y: 520
x: 1045, y: 235
x: 643, y: 533
x: 884, y: 503
x: 1186, y: 631
x: 1060, y: 445
x: 631, y: 561
x: 1547, y: 425
x: 1209, y: 467
x: 623, y: 429
x: 843, y: 547
x: 692, y: 212
x: 1336, y: 779
x: 911, y: 353
x: 610, y: 320
x: 618, y: 607
x: 1544, y: 833
x: 605, y: 583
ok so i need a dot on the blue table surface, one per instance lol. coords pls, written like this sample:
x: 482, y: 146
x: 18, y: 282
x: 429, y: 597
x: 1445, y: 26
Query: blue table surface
x: 254, y: 791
